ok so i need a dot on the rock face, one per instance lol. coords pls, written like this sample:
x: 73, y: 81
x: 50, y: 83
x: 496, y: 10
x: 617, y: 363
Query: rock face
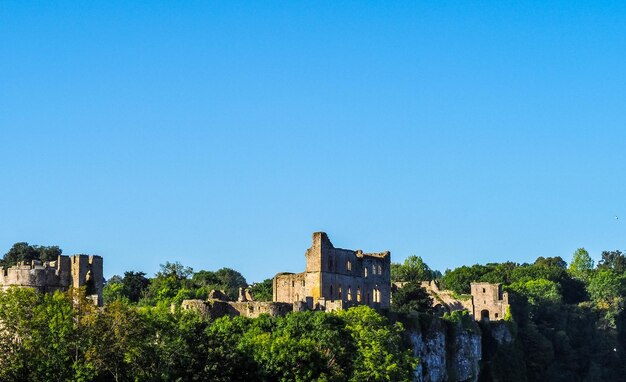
x: 466, y: 358
x: 447, y: 352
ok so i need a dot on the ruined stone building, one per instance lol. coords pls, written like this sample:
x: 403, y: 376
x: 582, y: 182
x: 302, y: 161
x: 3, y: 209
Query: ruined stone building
x: 337, y: 278
x: 60, y: 274
x: 218, y: 305
x: 486, y: 301
x: 489, y: 301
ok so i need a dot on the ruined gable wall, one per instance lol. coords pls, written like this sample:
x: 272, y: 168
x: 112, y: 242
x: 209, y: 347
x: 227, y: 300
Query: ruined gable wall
x: 356, y: 278
x: 289, y: 287
x: 336, y: 274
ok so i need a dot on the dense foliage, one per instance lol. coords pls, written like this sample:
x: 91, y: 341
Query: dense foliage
x: 57, y: 337
x: 25, y: 252
x: 566, y: 321
x: 569, y: 320
x: 174, y: 283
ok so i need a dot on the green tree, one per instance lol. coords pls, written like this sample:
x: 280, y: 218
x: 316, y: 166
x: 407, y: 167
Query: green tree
x: 262, y: 291
x: 412, y: 298
x: 380, y: 354
x: 614, y: 260
x: 24, y: 252
x: 581, y: 265
x: 413, y: 269
x: 134, y: 285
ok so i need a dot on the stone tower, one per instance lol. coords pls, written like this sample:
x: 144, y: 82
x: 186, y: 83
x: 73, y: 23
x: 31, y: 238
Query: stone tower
x: 87, y: 271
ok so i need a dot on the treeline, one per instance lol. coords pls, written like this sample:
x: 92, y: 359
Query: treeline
x: 63, y: 337
x: 568, y: 320
x: 174, y: 283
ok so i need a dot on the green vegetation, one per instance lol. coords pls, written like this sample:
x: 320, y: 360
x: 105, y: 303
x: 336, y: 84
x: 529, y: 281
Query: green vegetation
x: 174, y: 283
x: 569, y: 322
x: 25, y: 252
x: 566, y: 322
x: 413, y: 269
x: 56, y: 337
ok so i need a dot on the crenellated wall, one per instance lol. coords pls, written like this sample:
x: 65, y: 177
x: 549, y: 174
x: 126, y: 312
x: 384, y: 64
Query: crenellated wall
x: 60, y: 274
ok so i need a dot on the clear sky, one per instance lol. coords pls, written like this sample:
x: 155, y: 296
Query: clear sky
x: 222, y: 134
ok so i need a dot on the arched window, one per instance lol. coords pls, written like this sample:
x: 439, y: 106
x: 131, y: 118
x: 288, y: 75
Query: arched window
x: 339, y: 292
x: 358, y: 294
x: 349, y: 265
x: 373, y: 269
x: 349, y: 293
x: 380, y: 270
x: 365, y: 272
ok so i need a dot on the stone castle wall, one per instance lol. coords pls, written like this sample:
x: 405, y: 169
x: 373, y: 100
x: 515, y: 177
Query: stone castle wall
x: 337, y: 275
x: 60, y: 274
x: 218, y: 308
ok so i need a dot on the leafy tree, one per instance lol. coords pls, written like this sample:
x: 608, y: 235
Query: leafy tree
x: 380, y: 354
x: 459, y: 279
x: 557, y: 262
x: 134, y: 285
x: 24, y: 252
x: 113, y: 290
x: 412, y: 298
x: 581, y: 265
x: 230, y: 281
x: 539, y: 291
x: 614, y: 260
x: 607, y: 289
x: 413, y: 269
x: 262, y: 291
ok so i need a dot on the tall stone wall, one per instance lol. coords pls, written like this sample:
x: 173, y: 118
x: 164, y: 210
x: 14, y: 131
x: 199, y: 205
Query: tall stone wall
x: 336, y: 274
x: 60, y: 274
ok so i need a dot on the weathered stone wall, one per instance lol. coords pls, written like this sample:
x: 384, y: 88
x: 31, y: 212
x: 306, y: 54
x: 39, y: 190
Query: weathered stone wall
x: 489, y: 301
x: 335, y: 274
x: 446, y: 298
x: 61, y: 274
x: 251, y: 309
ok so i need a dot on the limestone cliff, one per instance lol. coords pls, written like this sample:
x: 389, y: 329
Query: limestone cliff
x: 448, y: 350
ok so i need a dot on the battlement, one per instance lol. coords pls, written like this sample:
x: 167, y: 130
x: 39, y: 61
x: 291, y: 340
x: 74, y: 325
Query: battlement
x: 60, y: 274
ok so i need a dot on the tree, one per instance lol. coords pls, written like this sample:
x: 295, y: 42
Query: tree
x: 24, y: 252
x: 459, y: 279
x: 134, y: 284
x: 539, y: 291
x: 557, y: 262
x: 412, y: 298
x: 581, y: 265
x: 230, y: 281
x: 413, y: 269
x: 614, y: 260
x: 380, y: 354
x: 262, y: 291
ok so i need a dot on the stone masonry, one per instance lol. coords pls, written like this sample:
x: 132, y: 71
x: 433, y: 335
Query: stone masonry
x: 337, y: 278
x: 60, y: 274
x: 486, y: 302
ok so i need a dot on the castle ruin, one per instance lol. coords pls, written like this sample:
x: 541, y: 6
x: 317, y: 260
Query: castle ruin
x: 58, y: 275
x: 337, y: 278
x: 487, y: 302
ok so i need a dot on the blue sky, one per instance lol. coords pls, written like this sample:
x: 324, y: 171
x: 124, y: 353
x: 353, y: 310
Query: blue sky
x: 224, y: 133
